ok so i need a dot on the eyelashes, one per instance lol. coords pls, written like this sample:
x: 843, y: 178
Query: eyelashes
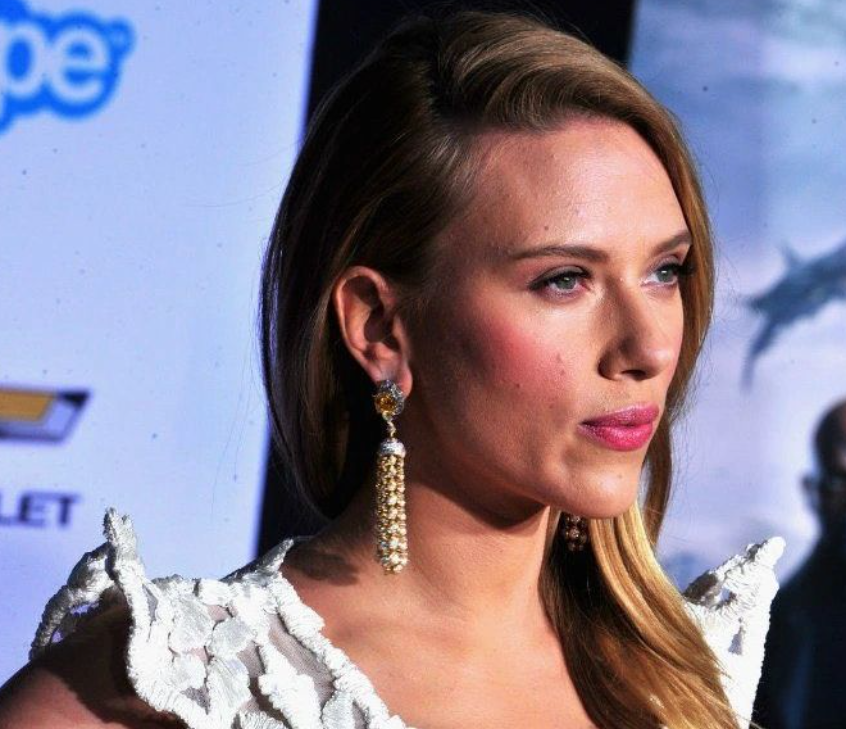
x: 681, y: 270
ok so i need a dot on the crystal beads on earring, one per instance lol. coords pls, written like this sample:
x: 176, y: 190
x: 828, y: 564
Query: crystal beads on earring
x: 391, y: 534
x: 574, y: 529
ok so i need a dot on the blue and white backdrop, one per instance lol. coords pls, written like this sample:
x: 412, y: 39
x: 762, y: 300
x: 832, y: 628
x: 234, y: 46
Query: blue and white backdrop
x: 760, y: 90
x: 143, y: 151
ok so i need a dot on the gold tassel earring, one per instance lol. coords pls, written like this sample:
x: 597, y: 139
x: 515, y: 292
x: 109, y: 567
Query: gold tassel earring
x: 575, y: 530
x: 391, y: 534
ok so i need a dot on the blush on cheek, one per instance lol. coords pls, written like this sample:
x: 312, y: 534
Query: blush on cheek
x: 508, y: 354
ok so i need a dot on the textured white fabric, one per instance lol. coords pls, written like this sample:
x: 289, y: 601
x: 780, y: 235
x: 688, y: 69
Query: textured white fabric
x: 244, y: 652
x: 732, y: 606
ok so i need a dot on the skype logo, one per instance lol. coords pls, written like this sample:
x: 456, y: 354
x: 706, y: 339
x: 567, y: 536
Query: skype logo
x: 69, y: 63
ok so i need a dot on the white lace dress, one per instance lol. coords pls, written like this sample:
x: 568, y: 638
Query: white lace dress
x: 244, y: 652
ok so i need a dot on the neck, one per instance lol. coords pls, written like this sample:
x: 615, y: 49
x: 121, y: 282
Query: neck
x: 466, y: 567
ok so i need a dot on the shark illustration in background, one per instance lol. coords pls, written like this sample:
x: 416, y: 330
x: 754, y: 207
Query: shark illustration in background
x: 806, y: 286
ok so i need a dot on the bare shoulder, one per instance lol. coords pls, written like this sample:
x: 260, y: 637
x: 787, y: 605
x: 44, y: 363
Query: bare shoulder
x: 80, y: 682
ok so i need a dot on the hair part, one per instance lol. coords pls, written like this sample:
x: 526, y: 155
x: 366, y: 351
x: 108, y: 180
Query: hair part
x: 388, y: 161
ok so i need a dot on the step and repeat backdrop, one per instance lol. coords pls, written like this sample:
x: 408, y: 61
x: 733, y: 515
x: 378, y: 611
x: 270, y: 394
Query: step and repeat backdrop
x: 760, y: 91
x: 144, y: 147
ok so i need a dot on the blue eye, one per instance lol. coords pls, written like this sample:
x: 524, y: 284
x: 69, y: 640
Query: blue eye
x: 571, y: 277
x: 565, y: 275
x: 677, y: 271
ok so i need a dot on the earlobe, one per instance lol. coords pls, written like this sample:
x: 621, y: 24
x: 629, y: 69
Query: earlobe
x: 365, y: 305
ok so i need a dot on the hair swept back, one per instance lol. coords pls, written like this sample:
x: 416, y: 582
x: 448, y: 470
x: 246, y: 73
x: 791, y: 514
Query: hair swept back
x: 386, y: 163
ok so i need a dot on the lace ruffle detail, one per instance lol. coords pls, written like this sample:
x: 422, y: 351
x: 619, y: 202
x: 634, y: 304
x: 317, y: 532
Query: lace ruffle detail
x: 189, y: 641
x: 731, y: 604
x: 204, y: 650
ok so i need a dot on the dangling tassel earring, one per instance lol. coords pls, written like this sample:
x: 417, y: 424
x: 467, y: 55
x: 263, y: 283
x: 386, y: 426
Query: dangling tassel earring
x: 575, y: 531
x: 391, y: 534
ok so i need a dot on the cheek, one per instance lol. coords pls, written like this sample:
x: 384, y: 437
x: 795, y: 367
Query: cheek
x: 507, y: 355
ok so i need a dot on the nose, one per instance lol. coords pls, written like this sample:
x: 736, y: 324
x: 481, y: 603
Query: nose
x: 643, y: 335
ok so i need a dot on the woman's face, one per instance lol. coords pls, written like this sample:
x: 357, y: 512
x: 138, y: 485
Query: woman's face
x: 559, y: 303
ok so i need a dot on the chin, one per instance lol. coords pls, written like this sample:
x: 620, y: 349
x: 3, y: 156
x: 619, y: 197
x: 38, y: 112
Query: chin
x: 602, y: 498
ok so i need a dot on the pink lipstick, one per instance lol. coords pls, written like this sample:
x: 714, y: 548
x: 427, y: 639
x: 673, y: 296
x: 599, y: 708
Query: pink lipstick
x: 623, y: 430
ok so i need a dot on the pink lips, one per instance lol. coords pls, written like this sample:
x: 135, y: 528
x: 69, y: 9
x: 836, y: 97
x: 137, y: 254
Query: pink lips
x: 622, y: 430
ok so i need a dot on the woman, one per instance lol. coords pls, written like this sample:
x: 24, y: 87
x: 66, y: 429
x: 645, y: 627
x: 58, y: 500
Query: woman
x: 496, y: 236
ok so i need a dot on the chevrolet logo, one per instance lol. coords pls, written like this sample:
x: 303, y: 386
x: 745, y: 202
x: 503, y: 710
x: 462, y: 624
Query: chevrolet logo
x: 42, y: 415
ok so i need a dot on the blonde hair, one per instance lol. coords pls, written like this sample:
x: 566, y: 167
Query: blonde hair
x: 387, y: 162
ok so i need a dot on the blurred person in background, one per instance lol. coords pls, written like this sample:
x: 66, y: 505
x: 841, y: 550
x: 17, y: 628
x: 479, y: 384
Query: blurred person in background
x: 805, y: 657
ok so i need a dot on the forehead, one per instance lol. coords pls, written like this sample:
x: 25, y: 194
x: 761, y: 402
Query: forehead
x: 593, y: 180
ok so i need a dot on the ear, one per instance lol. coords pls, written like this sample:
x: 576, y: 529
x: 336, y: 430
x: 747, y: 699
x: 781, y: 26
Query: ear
x: 809, y: 488
x: 808, y: 483
x: 373, y: 332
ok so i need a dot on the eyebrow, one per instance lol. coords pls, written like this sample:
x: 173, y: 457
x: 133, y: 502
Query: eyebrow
x: 596, y: 255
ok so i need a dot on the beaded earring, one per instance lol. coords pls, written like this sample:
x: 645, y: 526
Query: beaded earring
x: 391, y: 534
x: 575, y: 531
